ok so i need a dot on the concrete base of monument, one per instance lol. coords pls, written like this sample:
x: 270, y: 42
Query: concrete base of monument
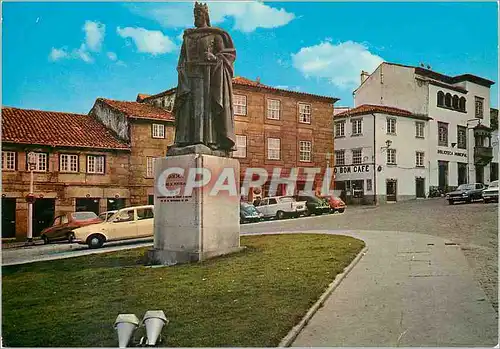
x: 195, y: 226
x: 166, y: 257
x: 196, y: 149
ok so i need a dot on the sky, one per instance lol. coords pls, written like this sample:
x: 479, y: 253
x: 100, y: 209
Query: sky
x: 62, y: 56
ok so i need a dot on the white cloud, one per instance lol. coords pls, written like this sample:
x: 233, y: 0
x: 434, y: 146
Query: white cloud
x: 58, y: 54
x: 112, y: 56
x: 148, y: 41
x: 341, y: 64
x: 83, y: 54
x: 247, y: 15
x: 94, y: 35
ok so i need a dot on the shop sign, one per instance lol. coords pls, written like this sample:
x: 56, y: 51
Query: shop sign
x: 352, y: 169
x: 449, y: 152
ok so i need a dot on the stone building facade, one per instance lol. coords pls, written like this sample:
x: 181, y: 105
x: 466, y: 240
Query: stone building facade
x: 274, y: 128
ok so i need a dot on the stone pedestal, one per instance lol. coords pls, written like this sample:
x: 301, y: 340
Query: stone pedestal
x: 202, y: 225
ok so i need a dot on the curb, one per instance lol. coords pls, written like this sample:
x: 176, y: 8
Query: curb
x: 294, y: 332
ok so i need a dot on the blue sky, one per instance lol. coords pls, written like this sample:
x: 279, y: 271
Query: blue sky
x: 62, y: 56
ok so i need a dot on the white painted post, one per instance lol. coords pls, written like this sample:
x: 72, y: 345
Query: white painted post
x: 31, y: 164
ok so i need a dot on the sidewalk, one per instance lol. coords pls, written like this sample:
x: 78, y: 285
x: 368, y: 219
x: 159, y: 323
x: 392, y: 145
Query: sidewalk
x: 18, y: 244
x: 408, y: 290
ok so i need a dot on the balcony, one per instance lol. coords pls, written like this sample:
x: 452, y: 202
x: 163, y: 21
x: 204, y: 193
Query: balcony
x: 483, y: 155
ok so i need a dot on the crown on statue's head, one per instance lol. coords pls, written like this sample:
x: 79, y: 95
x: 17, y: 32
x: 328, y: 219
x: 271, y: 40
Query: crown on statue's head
x: 198, y: 6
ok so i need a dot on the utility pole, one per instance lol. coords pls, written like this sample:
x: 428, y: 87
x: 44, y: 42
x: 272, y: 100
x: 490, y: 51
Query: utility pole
x: 30, y: 198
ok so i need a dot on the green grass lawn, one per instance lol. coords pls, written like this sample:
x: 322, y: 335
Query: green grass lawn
x: 252, y: 298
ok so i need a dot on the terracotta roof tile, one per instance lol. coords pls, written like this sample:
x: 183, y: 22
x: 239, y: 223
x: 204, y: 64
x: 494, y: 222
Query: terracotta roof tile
x: 141, y: 97
x: 138, y: 110
x: 372, y: 108
x: 41, y: 127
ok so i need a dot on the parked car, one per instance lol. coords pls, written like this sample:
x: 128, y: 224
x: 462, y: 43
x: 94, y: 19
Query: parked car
x: 248, y: 213
x: 63, y: 226
x: 126, y: 223
x: 106, y: 215
x: 466, y: 192
x: 336, y: 203
x: 314, y: 205
x: 280, y: 207
x: 491, y: 193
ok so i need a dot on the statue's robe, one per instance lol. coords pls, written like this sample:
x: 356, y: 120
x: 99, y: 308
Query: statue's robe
x: 203, y: 106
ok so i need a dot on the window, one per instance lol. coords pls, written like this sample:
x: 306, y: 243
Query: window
x: 369, y: 185
x: 273, y: 148
x: 419, y: 159
x: 391, y: 156
x: 145, y: 213
x: 305, y: 149
x: 273, y: 109
x: 440, y: 98
x: 456, y: 102
x: 241, y: 145
x: 240, y: 104
x: 391, y: 125
x: 357, y: 156
x: 41, y: 162
x: 339, y: 157
x: 68, y: 163
x: 447, y: 100
x: 8, y: 160
x: 462, y: 103
x: 479, y: 107
x: 150, y: 167
x: 125, y: 216
x: 340, y: 129
x: 272, y: 202
x: 95, y: 164
x: 442, y: 134
x: 304, y: 113
x: 158, y: 131
x: 357, y: 127
x: 461, y: 137
x: 419, y: 129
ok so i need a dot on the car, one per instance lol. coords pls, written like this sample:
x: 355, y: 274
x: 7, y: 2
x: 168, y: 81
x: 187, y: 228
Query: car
x: 127, y: 223
x: 106, y: 215
x: 466, y: 192
x: 280, y: 207
x: 248, y: 213
x: 491, y: 193
x: 336, y: 203
x: 314, y: 205
x: 63, y: 226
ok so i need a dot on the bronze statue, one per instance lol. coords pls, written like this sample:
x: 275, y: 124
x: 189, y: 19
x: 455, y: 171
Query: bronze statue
x: 203, y: 105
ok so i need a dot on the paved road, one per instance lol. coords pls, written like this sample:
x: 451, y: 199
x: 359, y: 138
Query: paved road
x: 474, y: 227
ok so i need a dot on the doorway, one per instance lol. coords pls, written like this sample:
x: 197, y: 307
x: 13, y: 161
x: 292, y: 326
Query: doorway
x: 115, y: 204
x: 43, y: 214
x: 8, y: 217
x: 391, y: 190
x: 479, y: 174
x: 443, y: 174
x: 462, y: 173
x: 420, y: 187
x: 87, y: 204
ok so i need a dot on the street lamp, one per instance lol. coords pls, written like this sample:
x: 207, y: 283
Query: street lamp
x: 30, y: 198
x: 468, y: 142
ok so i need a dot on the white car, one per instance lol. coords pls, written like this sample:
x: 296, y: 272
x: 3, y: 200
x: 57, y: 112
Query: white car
x: 127, y: 223
x: 491, y: 193
x: 280, y: 207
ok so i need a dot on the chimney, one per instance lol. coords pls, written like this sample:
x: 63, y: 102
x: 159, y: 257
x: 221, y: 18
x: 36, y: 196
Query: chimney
x: 364, y: 76
x: 258, y: 80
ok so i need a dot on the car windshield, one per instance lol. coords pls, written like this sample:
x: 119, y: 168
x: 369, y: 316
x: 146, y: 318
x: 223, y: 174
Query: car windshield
x: 249, y: 209
x: 82, y: 216
x: 465, y: 187
x: 493, y: 184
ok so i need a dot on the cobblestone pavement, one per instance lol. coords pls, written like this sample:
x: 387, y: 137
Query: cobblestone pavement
x: 473, y: 226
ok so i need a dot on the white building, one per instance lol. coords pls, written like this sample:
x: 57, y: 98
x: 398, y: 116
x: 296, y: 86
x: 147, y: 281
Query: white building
x: 381, y: 151
x: 456, y: 115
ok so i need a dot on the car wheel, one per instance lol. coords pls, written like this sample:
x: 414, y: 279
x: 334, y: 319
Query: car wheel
x: 280, y: 215
x: 95, y: 241
x: 71, y: 237
x: 307, y: 213
x: 341, y: 210
x: 45, y: 240
x: 450, y: 202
